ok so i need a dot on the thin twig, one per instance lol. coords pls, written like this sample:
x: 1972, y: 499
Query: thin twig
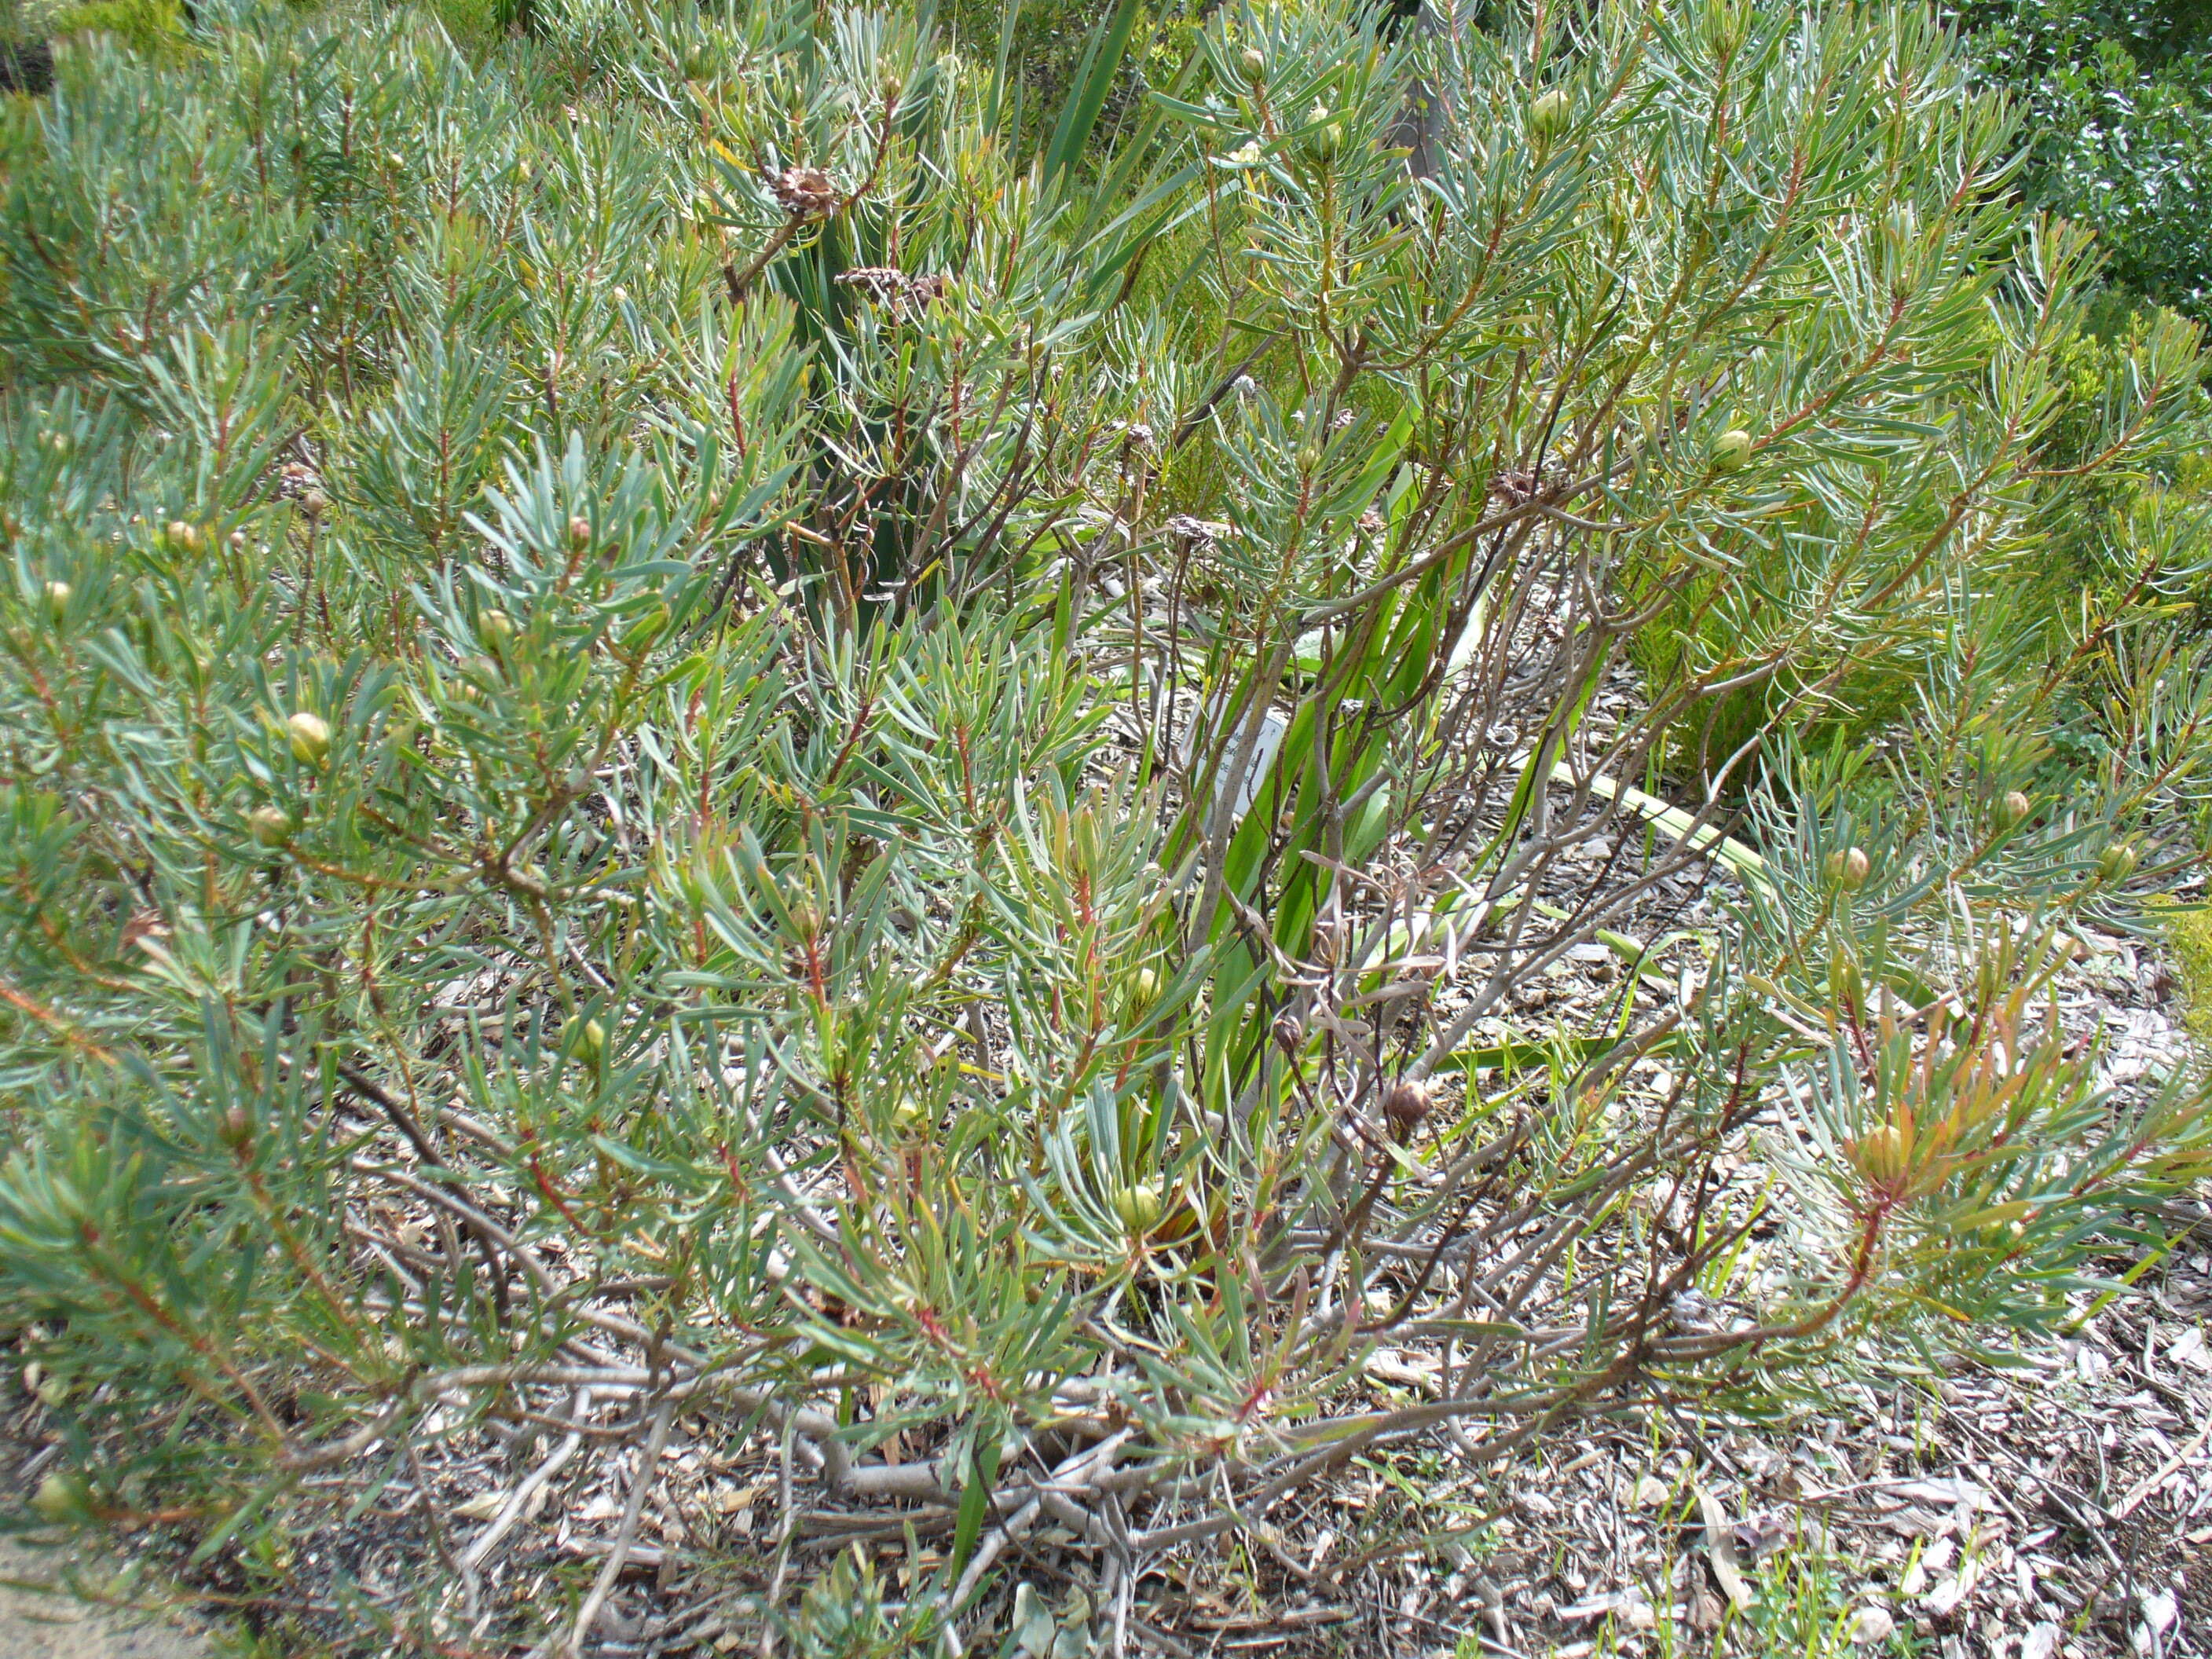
x: 787, y: 1522
x: 2150, y: 1482
x: 648, y: 1466
x: 518, y: 1500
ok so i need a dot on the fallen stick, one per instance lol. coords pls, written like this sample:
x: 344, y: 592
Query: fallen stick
x: 518, y: 1500
x: 2149, y: 1483
x: 647, y: 1466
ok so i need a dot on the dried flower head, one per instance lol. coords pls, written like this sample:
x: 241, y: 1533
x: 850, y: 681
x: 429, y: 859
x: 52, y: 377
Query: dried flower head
x: 1185, y: 528
x: 1406, y: 1105
x: 887, y: 286
x: 804, y: 192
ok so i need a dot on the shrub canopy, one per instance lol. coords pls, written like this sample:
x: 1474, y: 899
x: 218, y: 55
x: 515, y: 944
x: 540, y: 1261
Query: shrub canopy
x: 683, y: 728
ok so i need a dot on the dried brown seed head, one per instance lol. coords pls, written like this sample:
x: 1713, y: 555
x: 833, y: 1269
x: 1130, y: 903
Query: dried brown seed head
x: 1406, y: 1105
x: 804, y: 192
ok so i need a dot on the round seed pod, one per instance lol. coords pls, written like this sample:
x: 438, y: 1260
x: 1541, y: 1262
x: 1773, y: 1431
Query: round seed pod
x: 1406, y: 1105
x: 1731, y: 450
x: 310, y: 736
x: 270, y: 826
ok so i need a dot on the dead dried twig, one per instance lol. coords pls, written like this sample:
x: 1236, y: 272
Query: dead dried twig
x: 647, y: 1466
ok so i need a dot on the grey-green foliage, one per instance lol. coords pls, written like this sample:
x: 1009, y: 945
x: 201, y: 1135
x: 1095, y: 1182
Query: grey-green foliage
x: 628, y: 671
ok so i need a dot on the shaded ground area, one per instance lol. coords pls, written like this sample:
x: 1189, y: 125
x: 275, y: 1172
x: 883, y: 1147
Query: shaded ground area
x: 57, y: 1627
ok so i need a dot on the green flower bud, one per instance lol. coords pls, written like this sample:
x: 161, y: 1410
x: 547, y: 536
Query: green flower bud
x: 1139, y: 1208
x: 579, y: 533
x: 496, y: 626
x: 2013, y: 808
x: 1731, y: 450
x: 272, y: 826
x: 1549, y: 114
x: 647, y: 628
x: 1326, y: 137
x: 62, y: 1497
x: 58, y: 599
x: 585, y: 1038
x: 1879, y: 1153
x: 1726, y: 25
x: 1255, y: 65
x: 1846, y: 868
x: 311, y: 737
x: 1849, y: 985
x: 182, y: 538
x: 2117, y: 862
x: 1148, y: 987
